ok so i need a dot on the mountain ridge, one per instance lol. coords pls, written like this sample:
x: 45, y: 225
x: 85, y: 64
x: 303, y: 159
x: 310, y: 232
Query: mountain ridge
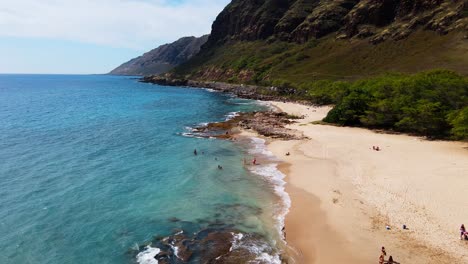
x: 302, y: 20
x: 163, y: 58
x: 262, y: 41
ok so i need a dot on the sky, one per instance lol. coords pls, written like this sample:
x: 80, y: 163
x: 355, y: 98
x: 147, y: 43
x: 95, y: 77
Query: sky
x: 94, y: 36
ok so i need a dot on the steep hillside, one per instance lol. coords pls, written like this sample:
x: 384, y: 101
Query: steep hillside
x: 163, y: 58
x: 263, y: 41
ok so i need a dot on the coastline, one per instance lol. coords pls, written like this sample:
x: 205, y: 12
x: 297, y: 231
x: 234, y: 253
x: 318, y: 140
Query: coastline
x: 344, y: 194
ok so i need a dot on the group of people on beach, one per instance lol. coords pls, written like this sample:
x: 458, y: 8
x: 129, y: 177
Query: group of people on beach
x: 383, y: 252
x: 463, y: 233
x: 382, y: 260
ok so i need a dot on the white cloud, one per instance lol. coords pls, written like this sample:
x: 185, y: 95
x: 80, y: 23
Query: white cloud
x: 118, y: 23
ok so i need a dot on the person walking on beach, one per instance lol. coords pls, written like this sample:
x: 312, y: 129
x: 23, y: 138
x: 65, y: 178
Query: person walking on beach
x: 381, y: 259
x: 462, y: 232
x: 384, y: 253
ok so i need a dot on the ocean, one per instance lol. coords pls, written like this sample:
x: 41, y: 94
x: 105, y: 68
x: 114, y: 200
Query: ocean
x: 101, y: 169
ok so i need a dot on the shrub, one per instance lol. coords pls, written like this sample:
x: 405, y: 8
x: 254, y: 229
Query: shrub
x: 433, y: 104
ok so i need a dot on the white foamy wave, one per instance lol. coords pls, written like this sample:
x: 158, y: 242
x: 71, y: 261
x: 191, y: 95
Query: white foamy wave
x: 147, y: 256
x: 236, y: 240
x: 270, y: 172
x: 176, y: 251
x: 266, y: 104
x: 231, y: 115
x: 191, y: 135
x: 210, y: 90
x: 259, y: 148
x: 267, y: 258
x: 258, y: 249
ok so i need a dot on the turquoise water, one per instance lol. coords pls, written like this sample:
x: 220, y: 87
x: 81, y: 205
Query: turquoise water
x: 94, y: 167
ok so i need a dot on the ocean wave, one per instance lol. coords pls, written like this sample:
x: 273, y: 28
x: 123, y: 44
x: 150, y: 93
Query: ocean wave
x: 262, y: 251
x: 147, y: 256
x: 259, y: 148
x: 231, y: 115
x: 267, y: 104
x: 267, y: 258
x: 272, y: 174
x: 210, y: 90
x: 192, y: 135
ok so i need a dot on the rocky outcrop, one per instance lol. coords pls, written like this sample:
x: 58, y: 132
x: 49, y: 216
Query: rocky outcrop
x: 241, y: 90
x: 163, y: 58
x: 266, y: 123
x: 272, y: 124
x: 301, y: 20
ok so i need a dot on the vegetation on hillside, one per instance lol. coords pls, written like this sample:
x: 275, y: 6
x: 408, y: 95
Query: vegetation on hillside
x: 340, y: 52
x: 268, y: 63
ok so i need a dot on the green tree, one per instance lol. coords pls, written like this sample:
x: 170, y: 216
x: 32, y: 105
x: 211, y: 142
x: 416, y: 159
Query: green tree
x: 459, y: 121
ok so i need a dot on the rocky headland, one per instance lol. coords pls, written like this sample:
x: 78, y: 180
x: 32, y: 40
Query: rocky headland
x: 163, y: 58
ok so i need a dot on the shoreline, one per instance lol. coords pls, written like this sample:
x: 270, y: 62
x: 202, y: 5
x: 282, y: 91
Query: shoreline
x: 344, y: 194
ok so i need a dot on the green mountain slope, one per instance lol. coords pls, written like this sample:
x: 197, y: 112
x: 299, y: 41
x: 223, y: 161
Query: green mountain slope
x: 373, y: 59
x: 302, y: 40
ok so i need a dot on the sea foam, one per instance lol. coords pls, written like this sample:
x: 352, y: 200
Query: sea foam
x: 270, y: 172
x: 147, y: 256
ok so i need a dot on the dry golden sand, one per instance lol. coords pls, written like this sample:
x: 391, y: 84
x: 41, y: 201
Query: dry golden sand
x: 344, y: 194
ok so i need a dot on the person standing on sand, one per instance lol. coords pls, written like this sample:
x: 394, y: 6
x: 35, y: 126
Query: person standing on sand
x: 462, y: 231
x: 384, y: 253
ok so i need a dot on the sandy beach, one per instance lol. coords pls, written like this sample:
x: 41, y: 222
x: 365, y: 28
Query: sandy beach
x: 344, y: 194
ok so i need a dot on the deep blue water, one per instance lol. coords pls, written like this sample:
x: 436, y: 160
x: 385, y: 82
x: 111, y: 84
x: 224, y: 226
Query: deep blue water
x: 91, y: 166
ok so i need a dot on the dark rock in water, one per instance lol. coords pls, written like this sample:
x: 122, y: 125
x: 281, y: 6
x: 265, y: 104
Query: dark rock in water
x: 163, y: 257
x: 174, y: 219
x: 202, y: 221
x: 183, y: 251
x: 215, y: 244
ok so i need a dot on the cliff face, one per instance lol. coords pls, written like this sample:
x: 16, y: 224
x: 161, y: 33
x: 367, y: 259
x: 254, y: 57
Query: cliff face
x: 302, y: 20
x: 260, y: 41
x: 163, y: 58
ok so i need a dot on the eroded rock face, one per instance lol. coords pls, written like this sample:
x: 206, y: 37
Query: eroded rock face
x: 301, y: 20
x: 324, y: 19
